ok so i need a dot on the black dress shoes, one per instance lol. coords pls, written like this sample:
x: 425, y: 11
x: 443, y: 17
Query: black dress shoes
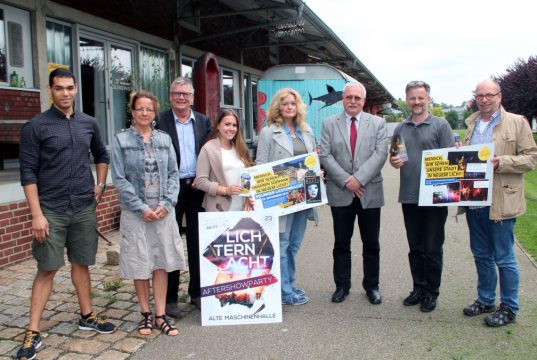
x: 339, y: 295
x: 196, y: 302
x: 374, y: 296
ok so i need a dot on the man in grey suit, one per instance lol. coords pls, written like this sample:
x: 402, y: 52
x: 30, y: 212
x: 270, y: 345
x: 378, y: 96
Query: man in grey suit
x: 188, y: 130
x: 353, y: 151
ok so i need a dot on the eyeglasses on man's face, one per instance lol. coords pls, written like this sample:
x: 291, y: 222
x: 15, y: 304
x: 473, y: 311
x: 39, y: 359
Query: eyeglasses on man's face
x: 181, y: 94
x: 488, y: 96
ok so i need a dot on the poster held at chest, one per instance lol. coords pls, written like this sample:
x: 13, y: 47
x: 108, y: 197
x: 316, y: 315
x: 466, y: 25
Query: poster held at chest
x: 240, y: 268
x: 457, y: 177
x: 287, y: 185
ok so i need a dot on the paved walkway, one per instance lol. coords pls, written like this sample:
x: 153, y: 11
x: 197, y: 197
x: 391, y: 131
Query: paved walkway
x: 320, y: 329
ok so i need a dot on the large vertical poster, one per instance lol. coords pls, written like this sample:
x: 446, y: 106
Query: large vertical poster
x: 240, y: 268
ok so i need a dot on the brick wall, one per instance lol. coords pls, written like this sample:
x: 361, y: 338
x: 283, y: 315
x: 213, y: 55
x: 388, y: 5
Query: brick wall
x: 19, y: 104
x: 16, y: 226
x: 16, y: 105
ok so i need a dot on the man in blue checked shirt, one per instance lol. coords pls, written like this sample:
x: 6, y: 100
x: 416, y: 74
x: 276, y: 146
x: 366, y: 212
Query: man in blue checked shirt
x: 62, y: 197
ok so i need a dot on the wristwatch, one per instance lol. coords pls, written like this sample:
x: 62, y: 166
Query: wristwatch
x: 102, y: 186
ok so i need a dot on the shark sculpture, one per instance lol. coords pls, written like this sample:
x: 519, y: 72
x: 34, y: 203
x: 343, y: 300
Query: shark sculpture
x: 328, y: 99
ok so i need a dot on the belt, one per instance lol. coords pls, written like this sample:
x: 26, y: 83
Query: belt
x: 187, y: 181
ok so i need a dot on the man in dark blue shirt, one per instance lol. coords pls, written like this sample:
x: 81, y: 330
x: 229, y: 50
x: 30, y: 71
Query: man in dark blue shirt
x: 62, y: 197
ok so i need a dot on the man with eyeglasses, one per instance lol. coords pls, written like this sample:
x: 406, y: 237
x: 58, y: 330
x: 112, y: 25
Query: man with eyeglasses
x: 424, y: 224
x: 491, y: 227
x: 188, y: 130
x: 353, y: 151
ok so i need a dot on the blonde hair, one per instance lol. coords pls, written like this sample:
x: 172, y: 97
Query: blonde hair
x: 240, y: 145
x: 274, y: 116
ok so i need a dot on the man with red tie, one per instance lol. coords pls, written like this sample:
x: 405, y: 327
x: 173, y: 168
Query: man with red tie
x: 424, y: 224
x: 353, y: 151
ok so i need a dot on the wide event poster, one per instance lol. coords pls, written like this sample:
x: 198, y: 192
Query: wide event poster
x: 457, y: 177
x: 240, y: 268
x: 287, y: 185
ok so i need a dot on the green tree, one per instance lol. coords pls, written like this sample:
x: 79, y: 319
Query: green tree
x: 401, y: 104
x: 453, y: 119
x: 437, y: 111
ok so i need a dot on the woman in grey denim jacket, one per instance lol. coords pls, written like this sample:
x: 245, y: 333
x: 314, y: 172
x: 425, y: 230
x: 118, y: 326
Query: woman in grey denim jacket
x: 144, y: 172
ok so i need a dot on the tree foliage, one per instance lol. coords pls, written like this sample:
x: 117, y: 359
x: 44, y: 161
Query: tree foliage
x: 437, y: 111
x: 453, y: 119
x: 519, y: 87
x: 401, y: 104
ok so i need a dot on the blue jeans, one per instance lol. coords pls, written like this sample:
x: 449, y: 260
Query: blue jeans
x: 290, y: 241
x: 492, y: 245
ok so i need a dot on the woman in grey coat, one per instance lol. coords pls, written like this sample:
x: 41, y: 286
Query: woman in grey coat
x: 287, y: 135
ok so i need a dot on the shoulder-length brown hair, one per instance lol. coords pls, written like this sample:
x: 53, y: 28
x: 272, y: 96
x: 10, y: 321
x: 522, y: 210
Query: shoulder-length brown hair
x: 274, y: 116
x: 238, y: 140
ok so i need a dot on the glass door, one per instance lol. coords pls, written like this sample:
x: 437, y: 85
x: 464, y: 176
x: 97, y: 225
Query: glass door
x: 92, y: 88
x: 106, y: 80
x: 121, y: 76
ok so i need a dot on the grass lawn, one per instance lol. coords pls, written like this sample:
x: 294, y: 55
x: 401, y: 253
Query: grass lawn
x: 526, y: 226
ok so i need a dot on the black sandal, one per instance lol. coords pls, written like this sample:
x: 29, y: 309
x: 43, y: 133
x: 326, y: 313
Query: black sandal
x: 146, y: 323
x: 165, y: 325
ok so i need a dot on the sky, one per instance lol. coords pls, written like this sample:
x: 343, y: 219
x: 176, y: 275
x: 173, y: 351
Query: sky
x: 451, y: 45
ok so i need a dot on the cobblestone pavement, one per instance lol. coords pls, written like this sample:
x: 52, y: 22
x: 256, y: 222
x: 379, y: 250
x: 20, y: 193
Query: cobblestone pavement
x: 62, y: 339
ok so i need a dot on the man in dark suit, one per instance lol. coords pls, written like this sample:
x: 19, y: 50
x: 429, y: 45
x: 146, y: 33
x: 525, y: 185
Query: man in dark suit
x: 353, y: 151
x: 188, y: 130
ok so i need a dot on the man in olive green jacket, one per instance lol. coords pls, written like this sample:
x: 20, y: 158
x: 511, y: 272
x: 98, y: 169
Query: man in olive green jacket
x: 491, y: 228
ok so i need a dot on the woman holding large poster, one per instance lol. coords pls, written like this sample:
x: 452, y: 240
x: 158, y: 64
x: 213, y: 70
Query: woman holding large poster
x: 287, y: 135
x: 219, y: 165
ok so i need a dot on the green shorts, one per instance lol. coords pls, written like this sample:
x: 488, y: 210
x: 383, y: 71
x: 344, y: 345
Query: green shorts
x: 75, y: 231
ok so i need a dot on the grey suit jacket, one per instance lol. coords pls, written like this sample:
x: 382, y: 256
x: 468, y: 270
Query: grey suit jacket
x: 274, y: 145
x: 370, y: 156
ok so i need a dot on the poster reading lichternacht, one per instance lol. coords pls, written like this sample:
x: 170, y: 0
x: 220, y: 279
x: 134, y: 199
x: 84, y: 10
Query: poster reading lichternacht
x: 457, y: 177
x: 287, y: 185
x: 240, y: 268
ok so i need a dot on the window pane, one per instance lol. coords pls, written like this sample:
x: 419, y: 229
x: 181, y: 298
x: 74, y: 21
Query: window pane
x: 3, y: 65
x: 122, y: 84
x: 59, y: 44
x: 255, y: 107
x: 154, y: 74
x: 186, y: 68
x: 227, y: 85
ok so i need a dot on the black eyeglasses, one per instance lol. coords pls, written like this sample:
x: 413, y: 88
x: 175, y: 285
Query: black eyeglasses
x: 488, y: 96
x: 180, y: 93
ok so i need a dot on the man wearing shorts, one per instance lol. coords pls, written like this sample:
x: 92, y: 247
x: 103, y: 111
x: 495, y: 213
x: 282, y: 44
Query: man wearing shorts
x: 62, y: 197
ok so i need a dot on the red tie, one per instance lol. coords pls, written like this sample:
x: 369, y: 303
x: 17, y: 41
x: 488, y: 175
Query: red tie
x: 353, y: 135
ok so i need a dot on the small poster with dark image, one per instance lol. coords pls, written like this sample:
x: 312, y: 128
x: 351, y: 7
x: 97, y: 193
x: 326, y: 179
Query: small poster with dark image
x: 474, y: 190
x: 470, y: 163
x: 446, y: 193
x: 246, y: 184
x: 398, y: 147
x: 313, y: 189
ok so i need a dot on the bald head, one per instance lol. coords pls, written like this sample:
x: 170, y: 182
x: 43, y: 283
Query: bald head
x: 488, y: 84
x: 488, y: 98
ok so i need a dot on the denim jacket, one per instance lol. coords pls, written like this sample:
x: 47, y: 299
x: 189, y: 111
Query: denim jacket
x: 128, y: 170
